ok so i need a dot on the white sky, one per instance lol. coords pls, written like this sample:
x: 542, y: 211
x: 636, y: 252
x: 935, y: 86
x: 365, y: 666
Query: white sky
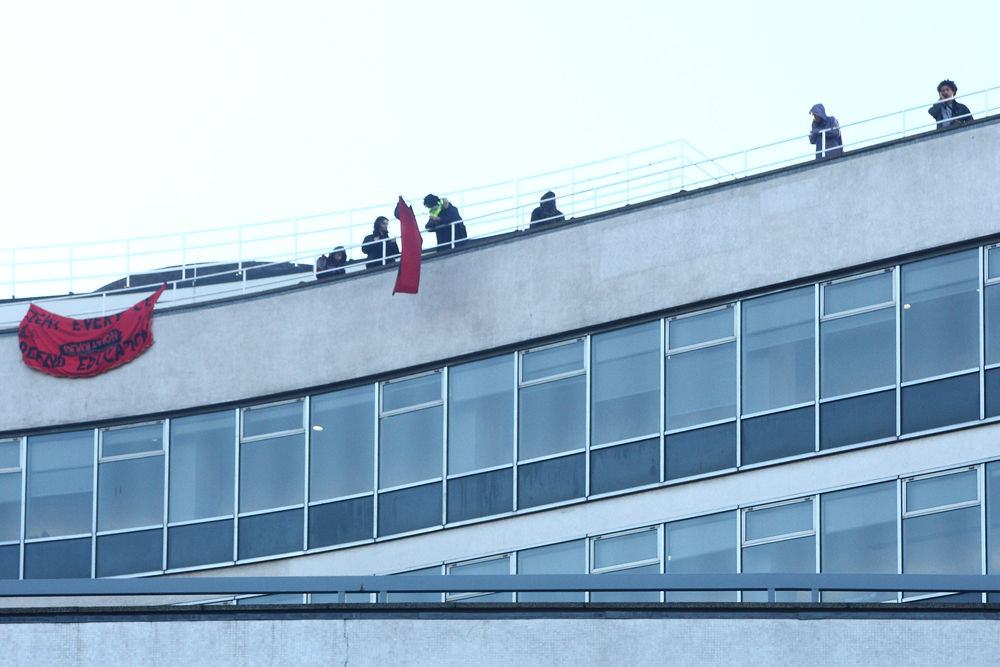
x: 121, y: 119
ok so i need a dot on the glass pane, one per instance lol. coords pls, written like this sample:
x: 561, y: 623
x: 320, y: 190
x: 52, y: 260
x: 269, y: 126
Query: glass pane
x: 551, y: 481
x: 857, y: 353
x: 552, y: 417
x: 992, y: 305
x: 858, y: 536
x: 10, y: 506
x: 342, y: 444
x: 778, y: 350
x: 272, y: 473
x: 780, y: 520
x: 858, y: 293
x: 270, y: 534
x: 130, y: 493
x: 624, y: 466
x: 994, y: 263
x: 700, y: 451
x: 202, y: 466
x: 200, y: 544
x: 135, y: 440
x: 352, y: 598
x: 696, y: 329
x: 410, y: 447
x: 778, y: 435
x: 130, y: 553
x: 415, y: 391
x: 625, y: 384
x: 798, y: 555
x: 481, y: 414
x: 636, y: 596
x: 60, y: 559
x: 942, y: 543
x: 954, y: 400
x: 993, y: 517
x: 493, y: 566
x: 409, y: 509
x: 704, y: 545
x: 415, y: 597
x: 10, y: 562
x: 923, y: 494
x: 539, y: 364
x: 624, y: 549
x: 10, y: 454
x: 701, y: 386
x: 341, y: 522
x: 272, y: 419
x: 940, y: 315
x: 479, y: 495
x: 60, y: 485
x: 565, y: 558
x: 993, y: 392
x: 282, y: 598
x: 859, y: 419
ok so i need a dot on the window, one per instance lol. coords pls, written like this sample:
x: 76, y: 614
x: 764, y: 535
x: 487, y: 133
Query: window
x: 564, y: 558
x: 703, y: 545
x: 272, y: 480
x: 201, y: 500
x: 625, y: 387
x: 492, y: 565
x: 859, y: 537
x: 552, y: 423
x: 415, y: 597
x: 991, y: 298
x: 779, y: 538
x: 635, y: 552
x: 342, y: 467
x: 700, y: 377
x: 858, y: 357
x: 481, y: 438
x: 941, y: 524
x: 411, y: 444
x: 130, y: 476
x: 10, y: 509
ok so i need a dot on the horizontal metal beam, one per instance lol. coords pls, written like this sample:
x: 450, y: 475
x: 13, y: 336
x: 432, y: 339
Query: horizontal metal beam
x: 524, y: 583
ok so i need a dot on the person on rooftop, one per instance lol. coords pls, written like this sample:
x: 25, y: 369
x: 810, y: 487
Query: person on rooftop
x: 328, y: 266
x: 949, y: 111
x: 546, y: 213
x: 444, y: 221
x: 828, y: 142
x: 377, y: 246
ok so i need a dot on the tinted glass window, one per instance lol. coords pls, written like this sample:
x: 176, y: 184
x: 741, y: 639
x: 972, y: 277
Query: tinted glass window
x: 778, y: 435
x: 272, y: 419
x: 858, y: 293
x: 943, y: 543
x: 409, y: 509
x: 270, y: 534
x: 993, y: 518
x: 341, y: 522
x: 565, y: 558
x: 940, y: 491
x: 551, y: 481
x: 700, y: 451
x: 480, y: 495
x: 10, y: 454
x: 552, y: 417
x: 685, y: 331
x: 130, y: 493
x: 272, y: 473
x: 410, y: 447
x: 10, y: 506
x: 858, y: 536
x: 954, y: 400
x: 202, y: 466
x: 778, y: 350
x: 703, y: 545
x: 940, y: 315
x: 58, y: 559
x: 415, y: 391
x: 492, y: 566
x: 10, y: 562
x: 200, y: 544
x: 60, y: 485
x: 135, y: 440
x: 415, y: 597
x: 858, y: 353
x: 130, y: 553
x: 625, y: 384
x: 625, y: 549
x: 624, y: 466
x: 992, y: 304
x: 701, y: 386
x: 797, y: 555
x: 538, y: 364
x: 781, y: 520
x: 342, y: 443
x: 481, y: 414
x: 859, y: 419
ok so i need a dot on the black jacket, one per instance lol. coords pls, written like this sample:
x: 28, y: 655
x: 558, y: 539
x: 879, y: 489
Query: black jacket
x: 443, y: 227
x: 547, y: 213
x: 376, y: 249
x: 834, y: 141
x: 957, y: 109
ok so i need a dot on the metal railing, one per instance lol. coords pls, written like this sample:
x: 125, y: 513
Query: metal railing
x: 384, y: 586
x: 498, y: 208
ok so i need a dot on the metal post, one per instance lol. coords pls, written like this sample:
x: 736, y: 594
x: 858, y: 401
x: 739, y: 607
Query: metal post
x: 70, y: 268
x: 628, y: 177
x: 904, y: 123
x: 13, y: 273
x: 517, y: 205
x: 384, y: 252
x: 239, y: 250
x: 183, y: 256
x: 744, y: 164
x: 823, y: 153
x: 682, y: 164
x: 128, y: 264
x: 296, y: 261
x: 572, y: 192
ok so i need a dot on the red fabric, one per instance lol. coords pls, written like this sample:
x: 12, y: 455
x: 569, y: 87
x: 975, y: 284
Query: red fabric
x: 408, y: 279
x: 69, y: 348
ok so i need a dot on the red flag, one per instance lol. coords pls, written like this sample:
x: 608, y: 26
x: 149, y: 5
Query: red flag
x: 70, y: 348
x: 408, y: 279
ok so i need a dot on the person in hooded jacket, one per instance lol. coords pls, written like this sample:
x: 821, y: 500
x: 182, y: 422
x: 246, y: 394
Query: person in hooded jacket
x: 376, y: 245
x: 949, y: 108
x: 547, y: 212
x: 834, y: 142
x: 328, y: 266
x: 444, y: 221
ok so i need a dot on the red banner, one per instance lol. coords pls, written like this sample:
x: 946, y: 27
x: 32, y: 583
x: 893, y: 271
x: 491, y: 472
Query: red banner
x: 69, y: 348
x: 408, y: 278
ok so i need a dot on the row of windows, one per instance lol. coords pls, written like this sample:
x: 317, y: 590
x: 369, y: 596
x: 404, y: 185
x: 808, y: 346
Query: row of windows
x: 930, y: 524
x: 860, y: 360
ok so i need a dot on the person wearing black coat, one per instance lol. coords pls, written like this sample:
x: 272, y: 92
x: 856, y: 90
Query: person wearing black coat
x: 949, y: 111
x: 328, y: 266
x: 546, y: 213
x: 376, y: 247
x: 444, y: 221
x: 833, y: 144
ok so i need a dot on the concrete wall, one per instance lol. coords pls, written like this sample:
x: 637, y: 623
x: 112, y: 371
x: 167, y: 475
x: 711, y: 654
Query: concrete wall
x: 840, y: 642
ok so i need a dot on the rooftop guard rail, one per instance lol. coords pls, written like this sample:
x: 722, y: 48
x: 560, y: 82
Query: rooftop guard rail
x: 522, y: 583
x: 488, y: 210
